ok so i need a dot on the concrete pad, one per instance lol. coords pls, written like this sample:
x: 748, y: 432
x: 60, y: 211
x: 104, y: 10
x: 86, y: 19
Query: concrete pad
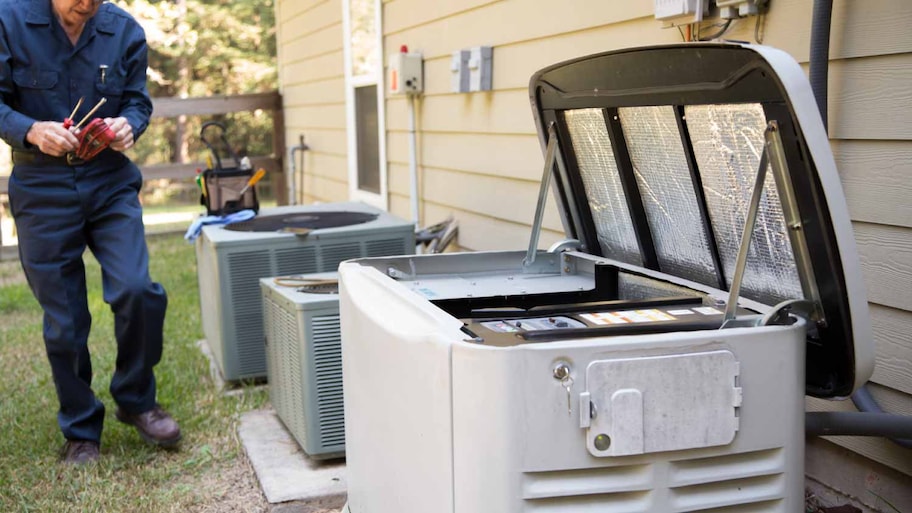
x: 285, y: 472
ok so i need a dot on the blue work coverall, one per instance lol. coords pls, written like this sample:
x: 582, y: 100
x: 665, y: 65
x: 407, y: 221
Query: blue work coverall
x: 61, y: 208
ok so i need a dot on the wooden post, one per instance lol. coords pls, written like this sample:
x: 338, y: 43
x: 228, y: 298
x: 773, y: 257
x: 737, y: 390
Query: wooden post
x: 279, y: 178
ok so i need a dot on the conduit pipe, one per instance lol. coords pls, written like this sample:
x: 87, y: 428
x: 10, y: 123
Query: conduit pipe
x: 293, y: 194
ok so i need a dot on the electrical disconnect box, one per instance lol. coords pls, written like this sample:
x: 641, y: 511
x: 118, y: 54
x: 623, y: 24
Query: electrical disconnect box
x: 680, y: 11
x: 480, y: 68
x: 405, y: 72
x: 733, y: 9
x: 459, y: 69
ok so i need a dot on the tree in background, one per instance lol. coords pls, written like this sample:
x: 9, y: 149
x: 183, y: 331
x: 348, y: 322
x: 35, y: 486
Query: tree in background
x: 202, y: 48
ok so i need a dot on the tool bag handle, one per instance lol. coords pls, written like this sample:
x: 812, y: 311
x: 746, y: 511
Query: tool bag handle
x: 224, y: 141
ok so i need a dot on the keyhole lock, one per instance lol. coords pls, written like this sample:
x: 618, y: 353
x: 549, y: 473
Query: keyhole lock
x: 561, y: 371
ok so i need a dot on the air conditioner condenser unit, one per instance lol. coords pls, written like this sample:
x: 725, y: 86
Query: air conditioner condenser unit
x: 279, y: 241
x: 304, y: 359
x: 655, y: 361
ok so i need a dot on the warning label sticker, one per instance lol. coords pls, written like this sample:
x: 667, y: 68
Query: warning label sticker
x: 707, y: 310
x: 681, y: 312
x: 627, y: 317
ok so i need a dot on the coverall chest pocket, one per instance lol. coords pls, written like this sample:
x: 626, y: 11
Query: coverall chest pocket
x: 36, y: 91
x: 111, y: 88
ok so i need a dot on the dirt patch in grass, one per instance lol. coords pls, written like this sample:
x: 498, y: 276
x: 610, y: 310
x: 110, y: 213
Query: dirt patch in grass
x: 229, y: 488
x: 11, y: 273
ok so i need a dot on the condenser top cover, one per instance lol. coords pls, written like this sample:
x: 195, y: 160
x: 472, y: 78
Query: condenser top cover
x: 324, y: 221
x: 657, y: 153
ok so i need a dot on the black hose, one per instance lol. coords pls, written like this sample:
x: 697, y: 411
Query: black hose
x: 866, y: 403
x: 846, y: 423
x: 820, y: 54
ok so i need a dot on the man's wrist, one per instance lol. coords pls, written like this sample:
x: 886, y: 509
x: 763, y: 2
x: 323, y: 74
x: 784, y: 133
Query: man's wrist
x: 28, y: 132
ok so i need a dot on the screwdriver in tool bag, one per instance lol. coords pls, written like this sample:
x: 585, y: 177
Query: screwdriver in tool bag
x: 253, y: 180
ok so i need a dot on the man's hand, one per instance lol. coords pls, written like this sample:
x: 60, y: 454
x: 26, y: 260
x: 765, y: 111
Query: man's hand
x: 123, y: 133
x: 52, y: 139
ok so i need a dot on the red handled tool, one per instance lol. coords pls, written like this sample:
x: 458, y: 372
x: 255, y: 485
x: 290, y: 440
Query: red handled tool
x: 95, y: 137
x: 68, y: 122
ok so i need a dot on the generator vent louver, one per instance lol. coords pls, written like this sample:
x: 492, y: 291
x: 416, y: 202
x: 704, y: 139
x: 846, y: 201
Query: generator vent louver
x: 733, y: 483
x: 231, y: 263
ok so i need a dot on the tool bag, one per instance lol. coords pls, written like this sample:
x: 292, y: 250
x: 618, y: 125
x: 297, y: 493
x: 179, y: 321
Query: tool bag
x: 221, y: 186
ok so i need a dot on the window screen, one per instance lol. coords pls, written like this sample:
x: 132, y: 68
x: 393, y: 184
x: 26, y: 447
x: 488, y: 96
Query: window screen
x: 727, y: 142
x: 368, y: 138
x: 601, y: 180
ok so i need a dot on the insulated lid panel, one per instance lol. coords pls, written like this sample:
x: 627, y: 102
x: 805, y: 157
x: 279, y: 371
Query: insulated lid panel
x: 726, y: 139
x: 599, y: 173
x: 663, y: 177
x: 660, y: 150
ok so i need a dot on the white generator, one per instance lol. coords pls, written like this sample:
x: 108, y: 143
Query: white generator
x: 279, y: 241
x: 304, y: 359
x: 657, y: 359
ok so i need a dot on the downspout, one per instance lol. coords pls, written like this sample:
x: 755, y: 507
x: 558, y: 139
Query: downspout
x: 413, y: 159
x: 820, y: 54
x: 870, y: 420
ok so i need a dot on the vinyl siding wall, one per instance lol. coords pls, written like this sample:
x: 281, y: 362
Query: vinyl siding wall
x: 479, y: 158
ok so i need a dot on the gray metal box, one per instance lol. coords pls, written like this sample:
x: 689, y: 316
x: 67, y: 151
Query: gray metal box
x: 304, y: 360
x: 230, y: 263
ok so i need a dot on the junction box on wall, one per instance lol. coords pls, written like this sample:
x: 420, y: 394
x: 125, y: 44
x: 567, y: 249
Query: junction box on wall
x: 406, y: 72
x: 472, y: 69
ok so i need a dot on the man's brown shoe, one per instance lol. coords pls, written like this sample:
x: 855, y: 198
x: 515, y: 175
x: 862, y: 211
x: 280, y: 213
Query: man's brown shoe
x: 80, y: 452
x: 155, y: 426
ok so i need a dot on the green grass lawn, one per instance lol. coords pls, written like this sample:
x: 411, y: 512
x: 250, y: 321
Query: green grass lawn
x: 131, y: 475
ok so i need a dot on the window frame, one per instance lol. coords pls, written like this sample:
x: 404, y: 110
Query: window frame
x: 352, y: 82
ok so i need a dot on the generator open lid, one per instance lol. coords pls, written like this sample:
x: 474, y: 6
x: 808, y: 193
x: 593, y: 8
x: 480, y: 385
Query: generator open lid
x: 710, y: 162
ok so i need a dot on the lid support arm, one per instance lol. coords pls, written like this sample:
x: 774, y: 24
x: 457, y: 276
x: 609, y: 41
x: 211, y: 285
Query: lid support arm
x: 793, y: 225
x: 551, y: 154
x: 741, y: 262
x: 774, y: 155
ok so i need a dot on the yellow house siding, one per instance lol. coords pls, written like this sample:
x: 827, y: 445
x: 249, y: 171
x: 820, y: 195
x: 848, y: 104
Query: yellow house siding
x: 894, y: 345
x: 870, y: 97
x: 886, y: 262
x: 311, y: 78
x: 877, y: 178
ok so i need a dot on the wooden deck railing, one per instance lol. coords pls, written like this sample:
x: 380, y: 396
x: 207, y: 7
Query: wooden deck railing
x: 210, y: 106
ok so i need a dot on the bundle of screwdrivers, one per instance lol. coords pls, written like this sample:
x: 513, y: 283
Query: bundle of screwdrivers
x: 95, y: 137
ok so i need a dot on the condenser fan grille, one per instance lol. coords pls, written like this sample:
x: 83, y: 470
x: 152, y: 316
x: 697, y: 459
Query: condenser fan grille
x: 302, y: 221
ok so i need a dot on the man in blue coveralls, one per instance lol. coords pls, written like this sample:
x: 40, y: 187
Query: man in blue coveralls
x: 52, y: 53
